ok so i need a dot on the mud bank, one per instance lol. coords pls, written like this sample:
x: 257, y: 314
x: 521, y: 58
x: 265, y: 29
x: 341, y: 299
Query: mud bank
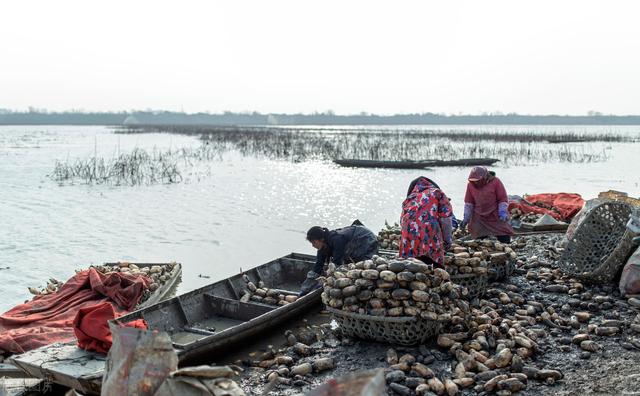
x: 588, y: 334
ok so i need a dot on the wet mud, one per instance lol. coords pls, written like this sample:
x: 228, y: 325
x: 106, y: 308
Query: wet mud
x: 587, y: 334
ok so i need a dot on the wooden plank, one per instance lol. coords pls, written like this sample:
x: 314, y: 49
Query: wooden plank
x: 301, y: 256
x: 64, y: 364
x: 298, y: 261
x: 541, y: 229
x: 18, y: 386
x: 237, y: 309
x: 10, y: 371
x: 233, y: 290
x: 260, y: 275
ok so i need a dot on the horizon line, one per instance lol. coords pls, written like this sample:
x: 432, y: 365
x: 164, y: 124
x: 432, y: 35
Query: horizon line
x: 328, y: 113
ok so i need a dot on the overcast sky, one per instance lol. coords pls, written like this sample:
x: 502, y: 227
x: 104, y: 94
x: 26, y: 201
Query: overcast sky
x: 530, y: 57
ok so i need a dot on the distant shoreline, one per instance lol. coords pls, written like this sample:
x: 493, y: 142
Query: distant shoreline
x: 319, y: 119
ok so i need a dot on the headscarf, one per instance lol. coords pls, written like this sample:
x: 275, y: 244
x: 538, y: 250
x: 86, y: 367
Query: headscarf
x: 422, y: 183
x: 478, y: 173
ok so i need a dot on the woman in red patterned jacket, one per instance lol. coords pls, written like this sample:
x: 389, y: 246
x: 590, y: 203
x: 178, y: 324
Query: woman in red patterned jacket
x: 426, y: 222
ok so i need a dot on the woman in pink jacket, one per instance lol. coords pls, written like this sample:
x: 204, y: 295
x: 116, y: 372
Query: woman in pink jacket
x: 485, y: 206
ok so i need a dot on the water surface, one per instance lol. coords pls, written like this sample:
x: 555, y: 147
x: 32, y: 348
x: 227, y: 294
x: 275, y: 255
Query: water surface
x: 226, y: 215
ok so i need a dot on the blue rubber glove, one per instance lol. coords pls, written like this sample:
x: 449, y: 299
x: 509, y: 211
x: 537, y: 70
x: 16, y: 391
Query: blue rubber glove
x: 468, y: 211
x: 447, y: 230
x: 309, y: 284
x: 502, y: 211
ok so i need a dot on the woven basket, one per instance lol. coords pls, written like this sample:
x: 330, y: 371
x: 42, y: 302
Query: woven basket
x: 501, y: 271
x: 476, y: 284
x: 404, y: 330
x: 600, y: 244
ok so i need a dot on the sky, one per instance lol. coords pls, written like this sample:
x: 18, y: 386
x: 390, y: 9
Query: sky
x: 290, y: 56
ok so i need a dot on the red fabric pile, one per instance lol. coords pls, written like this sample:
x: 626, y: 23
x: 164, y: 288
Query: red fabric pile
x: 50, y: 318
x: 92, y: 328
x: 561, y: 206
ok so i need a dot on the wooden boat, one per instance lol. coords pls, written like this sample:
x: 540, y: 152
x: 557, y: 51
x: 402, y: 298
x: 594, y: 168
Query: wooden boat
x: 466, y: 162
x: 382, y: 164
x: 68, y: 365
x: 414, y: 164
x: 200, y: 322
x: 212, y: 318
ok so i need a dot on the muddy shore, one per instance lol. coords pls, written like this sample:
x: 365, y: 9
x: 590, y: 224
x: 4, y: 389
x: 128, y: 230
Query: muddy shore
x: 606, y: 365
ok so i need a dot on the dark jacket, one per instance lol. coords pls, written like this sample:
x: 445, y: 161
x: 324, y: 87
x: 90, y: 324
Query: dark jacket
x: 351, y: 244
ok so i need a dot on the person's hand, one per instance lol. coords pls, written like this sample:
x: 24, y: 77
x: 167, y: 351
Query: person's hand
x: 312, y: 275
x: 310, y: 283
x: 502, y: 214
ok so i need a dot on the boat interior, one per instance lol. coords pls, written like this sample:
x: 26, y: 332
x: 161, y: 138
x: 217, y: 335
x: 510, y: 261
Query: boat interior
x: 197, y: 316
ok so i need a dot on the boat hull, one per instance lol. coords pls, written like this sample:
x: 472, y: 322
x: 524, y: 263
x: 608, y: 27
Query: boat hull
x: 415, y: 164
x: 188, y: 317
x: 217, y: 304
x: 68, y: 365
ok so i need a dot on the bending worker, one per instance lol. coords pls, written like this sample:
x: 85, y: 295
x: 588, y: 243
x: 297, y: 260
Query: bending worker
x: 485, y: 206
x: 426, y: 222
x: 349, y: 244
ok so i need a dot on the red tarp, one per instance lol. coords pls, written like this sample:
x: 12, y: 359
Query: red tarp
x: 92, y: 328
x: 561, y: 206
x: 50, y: 318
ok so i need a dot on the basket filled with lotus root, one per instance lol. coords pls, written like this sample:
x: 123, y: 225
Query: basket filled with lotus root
x: 394, y: 300
x: 466, y: 256
x: 469, y: 272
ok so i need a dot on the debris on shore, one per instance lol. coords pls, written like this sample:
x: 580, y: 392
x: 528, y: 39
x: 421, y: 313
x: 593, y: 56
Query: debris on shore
x: 540, y: 329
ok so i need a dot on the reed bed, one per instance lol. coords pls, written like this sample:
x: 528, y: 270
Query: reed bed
x: 302, y: 144
x: 458, y: 134
x: 138, y: 167
x: 135, y: 168
x: 328, y: 144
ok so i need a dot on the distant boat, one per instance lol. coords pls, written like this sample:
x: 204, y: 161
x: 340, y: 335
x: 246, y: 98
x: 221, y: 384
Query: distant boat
x: 414, y: 164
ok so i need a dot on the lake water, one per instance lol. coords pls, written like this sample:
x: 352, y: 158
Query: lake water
x: 226, y: 215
